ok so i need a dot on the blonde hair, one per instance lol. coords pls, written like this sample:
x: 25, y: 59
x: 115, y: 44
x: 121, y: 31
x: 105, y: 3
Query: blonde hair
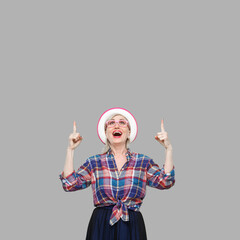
x: 107, y: 145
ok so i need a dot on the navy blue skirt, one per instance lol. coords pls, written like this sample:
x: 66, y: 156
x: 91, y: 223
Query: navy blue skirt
x: 100, y: 229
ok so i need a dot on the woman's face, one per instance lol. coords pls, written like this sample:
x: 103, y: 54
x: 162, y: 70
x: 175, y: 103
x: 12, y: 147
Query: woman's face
x: 117, y: 134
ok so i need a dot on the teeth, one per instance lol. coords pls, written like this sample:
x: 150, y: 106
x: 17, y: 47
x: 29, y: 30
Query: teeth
x: 117, y: 132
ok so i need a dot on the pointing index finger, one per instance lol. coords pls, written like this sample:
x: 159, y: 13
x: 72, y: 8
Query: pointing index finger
x: 162, y: 126
x: 74, y: 127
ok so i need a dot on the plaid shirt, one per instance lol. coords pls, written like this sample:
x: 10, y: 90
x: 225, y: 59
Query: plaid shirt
x: 125, y: 189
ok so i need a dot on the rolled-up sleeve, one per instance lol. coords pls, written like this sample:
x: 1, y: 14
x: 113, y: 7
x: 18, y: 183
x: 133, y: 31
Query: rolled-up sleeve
x: 157, y: 177
x: 77, y: 180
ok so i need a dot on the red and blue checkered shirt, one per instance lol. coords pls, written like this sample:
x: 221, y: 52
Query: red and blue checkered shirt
x: 125, y: 189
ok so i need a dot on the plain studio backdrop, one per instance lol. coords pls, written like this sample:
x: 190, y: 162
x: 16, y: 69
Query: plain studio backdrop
x: 71, y: 60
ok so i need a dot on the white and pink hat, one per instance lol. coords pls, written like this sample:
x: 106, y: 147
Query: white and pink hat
x: 110, y: 112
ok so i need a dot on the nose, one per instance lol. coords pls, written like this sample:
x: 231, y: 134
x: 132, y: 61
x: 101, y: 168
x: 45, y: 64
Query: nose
x: 117, y: 125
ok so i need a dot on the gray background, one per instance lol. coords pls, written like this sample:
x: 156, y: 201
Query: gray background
x: 72, y: 60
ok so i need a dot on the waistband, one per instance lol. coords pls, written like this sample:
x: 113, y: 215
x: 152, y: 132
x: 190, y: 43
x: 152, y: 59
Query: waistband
x: 110, y: 207
x: 106, y: 207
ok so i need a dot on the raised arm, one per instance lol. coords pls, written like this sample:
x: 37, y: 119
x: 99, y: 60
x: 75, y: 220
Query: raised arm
x: 71, y: 180
x: 74, y: 140
x: 162, y: 137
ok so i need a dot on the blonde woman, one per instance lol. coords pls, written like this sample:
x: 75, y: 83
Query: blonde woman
x: 118, y: 177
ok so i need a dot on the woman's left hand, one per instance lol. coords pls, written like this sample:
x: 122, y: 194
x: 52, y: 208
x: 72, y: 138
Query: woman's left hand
x: 162, y: 137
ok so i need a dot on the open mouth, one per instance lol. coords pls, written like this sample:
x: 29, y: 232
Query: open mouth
x: 117, y: 133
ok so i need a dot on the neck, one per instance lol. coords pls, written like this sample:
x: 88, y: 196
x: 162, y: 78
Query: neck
x: 118, y: 149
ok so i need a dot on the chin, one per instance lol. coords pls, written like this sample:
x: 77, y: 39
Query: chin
x: 118, y: 141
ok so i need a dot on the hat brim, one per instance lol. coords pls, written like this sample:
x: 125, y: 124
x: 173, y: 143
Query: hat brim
x: 112, y: 111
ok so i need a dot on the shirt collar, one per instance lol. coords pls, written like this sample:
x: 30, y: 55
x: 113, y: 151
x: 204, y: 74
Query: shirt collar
x: 128, y: 153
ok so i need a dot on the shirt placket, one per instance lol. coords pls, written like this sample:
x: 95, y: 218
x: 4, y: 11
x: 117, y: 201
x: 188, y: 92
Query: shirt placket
x: 119, y: 203
x: 118, y: 174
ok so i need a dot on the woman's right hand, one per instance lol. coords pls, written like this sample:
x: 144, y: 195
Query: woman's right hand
x: 74, y: 138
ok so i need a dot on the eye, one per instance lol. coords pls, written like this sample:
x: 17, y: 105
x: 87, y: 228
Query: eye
x: 122, y: 122
x: 111, y: 123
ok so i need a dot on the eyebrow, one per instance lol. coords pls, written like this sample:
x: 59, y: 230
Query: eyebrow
x: 119, y: 119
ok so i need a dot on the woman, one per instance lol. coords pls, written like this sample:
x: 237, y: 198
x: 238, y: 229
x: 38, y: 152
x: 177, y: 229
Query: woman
x: 118, y: 177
